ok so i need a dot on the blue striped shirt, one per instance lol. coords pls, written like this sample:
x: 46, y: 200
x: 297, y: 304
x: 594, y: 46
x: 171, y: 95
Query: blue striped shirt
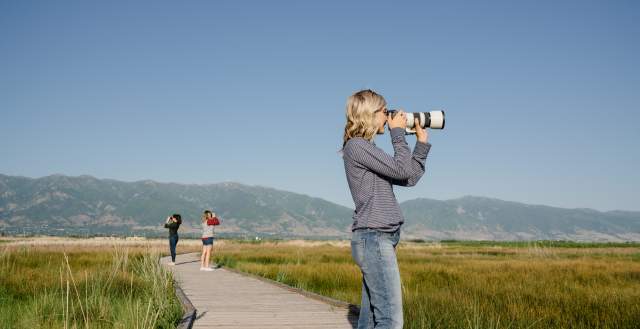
x: 371, y: 174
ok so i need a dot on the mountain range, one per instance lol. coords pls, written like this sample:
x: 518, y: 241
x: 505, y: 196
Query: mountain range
x: 65, y: 205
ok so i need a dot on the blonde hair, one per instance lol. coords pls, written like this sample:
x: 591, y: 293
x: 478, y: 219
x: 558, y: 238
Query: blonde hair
x: 205, y: 215
x: 361, y: 120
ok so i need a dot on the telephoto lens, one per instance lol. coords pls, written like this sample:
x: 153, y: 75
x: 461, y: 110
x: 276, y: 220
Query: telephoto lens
x: 432, y: 119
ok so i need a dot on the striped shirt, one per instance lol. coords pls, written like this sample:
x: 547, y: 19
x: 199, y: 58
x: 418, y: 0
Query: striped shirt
x: 371, y: 174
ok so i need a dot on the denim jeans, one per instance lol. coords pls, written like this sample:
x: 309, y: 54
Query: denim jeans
x: 375, y: 254
x: 173, y: 242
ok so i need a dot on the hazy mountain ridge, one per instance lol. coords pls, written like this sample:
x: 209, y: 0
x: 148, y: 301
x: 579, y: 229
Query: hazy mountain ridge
x: 87, y: 204
x: 493, y: 219
x: 62, y: 201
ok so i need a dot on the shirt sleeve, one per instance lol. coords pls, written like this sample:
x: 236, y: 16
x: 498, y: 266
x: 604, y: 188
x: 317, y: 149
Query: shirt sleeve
x: 418, y: 160
x: 172, y: 225
x: 396, y: 167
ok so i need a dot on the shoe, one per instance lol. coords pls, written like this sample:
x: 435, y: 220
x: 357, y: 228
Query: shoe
x: 207, y: 269
x: 171, y: 263
x: 202, y: 268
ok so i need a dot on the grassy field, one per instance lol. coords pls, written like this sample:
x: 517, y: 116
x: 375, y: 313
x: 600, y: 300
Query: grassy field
x: 71, y: 283
x: 471, y: 284
x: 115, y: 283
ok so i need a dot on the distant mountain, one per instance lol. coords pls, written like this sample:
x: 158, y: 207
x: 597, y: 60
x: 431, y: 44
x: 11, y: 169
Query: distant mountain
x: 480, y: 218
x: 85, y: 205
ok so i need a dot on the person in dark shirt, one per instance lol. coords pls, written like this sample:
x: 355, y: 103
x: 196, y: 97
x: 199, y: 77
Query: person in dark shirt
x: 173, y: 223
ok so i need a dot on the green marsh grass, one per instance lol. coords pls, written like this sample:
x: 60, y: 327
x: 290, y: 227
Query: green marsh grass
x: 471, y: 285
x: 98, y: 287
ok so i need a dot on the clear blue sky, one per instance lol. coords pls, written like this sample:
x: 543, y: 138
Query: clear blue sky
x: 542, y: 97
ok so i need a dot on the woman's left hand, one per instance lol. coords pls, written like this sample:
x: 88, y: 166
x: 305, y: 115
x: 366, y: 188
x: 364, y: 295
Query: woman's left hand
x: 421, y: 133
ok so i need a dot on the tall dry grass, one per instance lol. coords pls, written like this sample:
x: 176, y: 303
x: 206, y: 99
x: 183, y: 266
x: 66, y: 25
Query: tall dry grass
x: 461, y: 285
x: 94, y: 287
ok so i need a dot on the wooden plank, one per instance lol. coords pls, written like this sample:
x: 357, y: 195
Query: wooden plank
x: 226, y: 299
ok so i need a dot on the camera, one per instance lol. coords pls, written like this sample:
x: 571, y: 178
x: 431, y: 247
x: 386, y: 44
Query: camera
x: 432, y: 119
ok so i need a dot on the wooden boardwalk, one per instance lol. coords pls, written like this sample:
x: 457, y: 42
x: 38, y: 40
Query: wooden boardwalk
x: 225, y: 299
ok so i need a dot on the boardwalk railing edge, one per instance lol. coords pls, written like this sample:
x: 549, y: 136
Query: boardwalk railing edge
x: 188, y: 310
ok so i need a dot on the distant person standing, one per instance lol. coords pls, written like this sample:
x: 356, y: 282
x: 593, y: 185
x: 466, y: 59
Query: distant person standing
x: 209, y: 221
x: 173, y: 223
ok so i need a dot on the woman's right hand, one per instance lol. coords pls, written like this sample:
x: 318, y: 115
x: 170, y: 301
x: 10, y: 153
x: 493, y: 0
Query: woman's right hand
x: 421, y: 133
x: 398, y: 121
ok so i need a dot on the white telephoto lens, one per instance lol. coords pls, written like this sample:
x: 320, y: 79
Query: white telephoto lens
x: 437, y: 119
x: 423, y: 119
x: 410, y: 120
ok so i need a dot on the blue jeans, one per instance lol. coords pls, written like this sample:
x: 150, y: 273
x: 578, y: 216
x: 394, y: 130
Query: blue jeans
x: 375, y: 254
x: 173, y: 242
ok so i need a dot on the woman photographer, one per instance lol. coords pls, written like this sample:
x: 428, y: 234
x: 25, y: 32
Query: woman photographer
x: 209, y: 220
x: 371, y: 174
x: 173, y: 223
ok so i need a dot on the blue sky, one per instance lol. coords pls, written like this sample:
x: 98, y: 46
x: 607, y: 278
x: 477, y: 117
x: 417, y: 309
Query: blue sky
x: 542, y: 98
